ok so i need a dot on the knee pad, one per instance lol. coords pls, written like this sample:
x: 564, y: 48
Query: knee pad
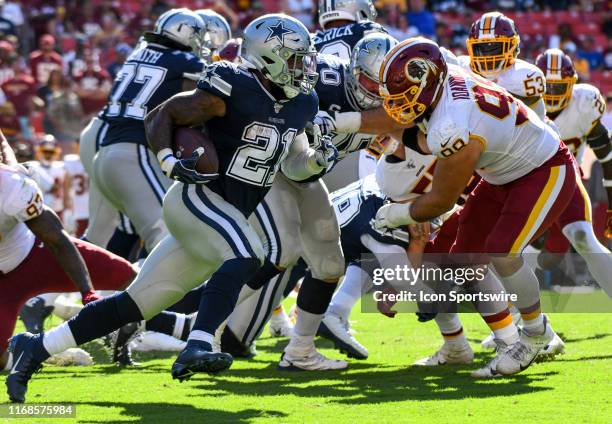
x: 327, y: 267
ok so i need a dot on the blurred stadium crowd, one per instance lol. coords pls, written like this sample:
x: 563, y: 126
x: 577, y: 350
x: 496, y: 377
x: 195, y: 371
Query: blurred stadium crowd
x: 58, y: 57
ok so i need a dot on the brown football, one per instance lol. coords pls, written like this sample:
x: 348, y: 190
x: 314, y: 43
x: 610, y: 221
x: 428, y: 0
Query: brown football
x: 186, y: 140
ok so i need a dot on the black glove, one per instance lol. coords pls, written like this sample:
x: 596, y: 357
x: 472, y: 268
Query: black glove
x: 184, y: 170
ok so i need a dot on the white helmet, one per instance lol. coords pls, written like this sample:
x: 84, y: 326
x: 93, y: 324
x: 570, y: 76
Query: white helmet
x: 216, y: 30
x: 351, y: 10
x: 280, y: 47
x: 182, y: 26
x: 366, y: 60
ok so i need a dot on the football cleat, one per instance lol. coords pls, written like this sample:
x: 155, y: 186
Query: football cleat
x: 489, y: 342
x: 34, y: 313
x: 337, y: 330
x: 70, y: 357
x: 522, y: 353
x: 490, y: 369
x: 552, y: 349
x: 28, y: 355
x: 120, y: 342
x: 199, y: 357
x: 311, y: 361
x: 280, y: 325
x: 449, y: 353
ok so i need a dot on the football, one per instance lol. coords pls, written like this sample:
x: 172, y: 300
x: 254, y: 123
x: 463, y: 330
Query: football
x: 187, y: 140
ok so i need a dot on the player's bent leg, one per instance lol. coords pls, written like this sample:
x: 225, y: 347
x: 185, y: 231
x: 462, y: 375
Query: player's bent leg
x: 598, y: 258
x: 217, y: 232
x: 129, y: 177
x: 102, y: 216
x: 335, y: 324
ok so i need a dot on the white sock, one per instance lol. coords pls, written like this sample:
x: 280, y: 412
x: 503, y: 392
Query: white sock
x: 179, y: 325
x: 9, y: 362
x: 595, y: 254
x: 349, y: 292
x: 202, y: 336
x: 58, y: 339
x: 525, y: 285
x: 307, y: 323
x: 449, y: 323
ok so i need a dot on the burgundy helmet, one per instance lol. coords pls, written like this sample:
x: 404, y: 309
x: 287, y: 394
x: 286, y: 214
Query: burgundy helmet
x: 412, y: 76
x: 493, y: 44
x: 230, y: 52
x: 560, y: 78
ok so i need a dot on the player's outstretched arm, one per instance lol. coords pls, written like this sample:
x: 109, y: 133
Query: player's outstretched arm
x: 373, y: 121
x: 48, y: 228
x: 181, y: 110
x: 451, y: 176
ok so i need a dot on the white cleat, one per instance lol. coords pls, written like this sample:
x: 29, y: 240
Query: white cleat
x: 280, y: 325
x: 490, y: 370
x: 301, y: 355
x: 70, y: 357
x: 338, y: 330
x: 449, y: 353
x: 552, y: 349
x: 313, y: 361
x: 522, y: 353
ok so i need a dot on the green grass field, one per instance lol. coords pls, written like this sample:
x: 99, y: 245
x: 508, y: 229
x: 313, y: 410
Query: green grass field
x: 575, y: 388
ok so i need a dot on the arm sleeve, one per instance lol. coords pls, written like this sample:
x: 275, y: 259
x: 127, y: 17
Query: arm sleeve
x: 300, y: 162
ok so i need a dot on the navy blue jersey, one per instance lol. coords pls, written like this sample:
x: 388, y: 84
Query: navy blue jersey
x: 254, y: 136
x: 149, y: 76
x: 334, y: 96
x: 356, y: 206
x: 341, y: 40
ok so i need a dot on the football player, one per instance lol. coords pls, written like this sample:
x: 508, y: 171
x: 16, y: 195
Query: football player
x: 471, y: 125
x: 576, y: 109
x: 207, y: 213
x: 124, y: 169
x: 49, y: 155
x: 493, y: 47
x: 77, y: 183
x: 343, y: 23
x: 343, y: 86
x: 38, y: 256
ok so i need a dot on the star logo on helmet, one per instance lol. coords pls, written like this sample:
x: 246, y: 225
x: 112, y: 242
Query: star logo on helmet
x: 278, y: 32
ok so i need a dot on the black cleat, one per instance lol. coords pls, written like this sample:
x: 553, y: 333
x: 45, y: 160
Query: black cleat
x: 120, y: 341
x: 199, y: 357
x: 233, y: 346
x: 34, y: 313
x: 28, y: 355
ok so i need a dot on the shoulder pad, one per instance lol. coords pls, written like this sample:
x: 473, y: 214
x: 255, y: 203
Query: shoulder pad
x: 589, y: 100
x: 218, y: 78
x: 23, y: 200
x: 523, y: 79
x: 464, y: 61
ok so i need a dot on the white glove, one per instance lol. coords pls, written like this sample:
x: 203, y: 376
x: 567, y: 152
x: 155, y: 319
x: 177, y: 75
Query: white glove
x: 393, y: 215
x: 325, y: 121
x: 325, y: 151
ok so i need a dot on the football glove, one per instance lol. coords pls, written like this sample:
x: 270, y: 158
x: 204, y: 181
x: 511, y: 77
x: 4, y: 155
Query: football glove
x: 326, y: 154
x: 608, y: 230
x: 393, y: 215
x: 184, y: 170
x: 90, y: 296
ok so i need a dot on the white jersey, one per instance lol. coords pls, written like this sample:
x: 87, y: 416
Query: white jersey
x: 80, y: 186
x: 522, y: 79
x: 408, y: 179
x: 515, y: 140
x: 54, y: 198
x: 20, y: 201
x: 576, y: 121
